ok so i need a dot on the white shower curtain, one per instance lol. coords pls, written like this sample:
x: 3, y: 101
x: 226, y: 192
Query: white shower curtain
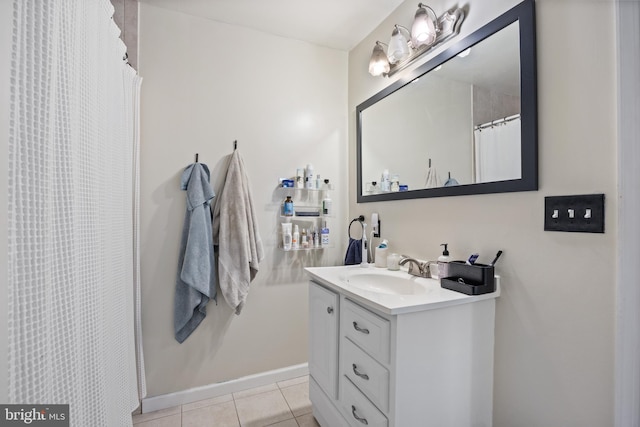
x: 72, y: 169
x: 497, y: 152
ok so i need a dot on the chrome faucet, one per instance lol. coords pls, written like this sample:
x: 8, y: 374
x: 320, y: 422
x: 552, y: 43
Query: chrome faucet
x: 416, y: 268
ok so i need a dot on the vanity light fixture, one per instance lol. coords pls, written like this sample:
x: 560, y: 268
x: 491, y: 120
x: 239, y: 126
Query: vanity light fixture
x: 426, y: 32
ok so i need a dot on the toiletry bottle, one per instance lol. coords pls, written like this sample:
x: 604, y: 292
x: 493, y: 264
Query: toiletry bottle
x: 395, y: 183
x: 295, y: 241
x: 287, y: 207
x: 385, y: 183
x: 316, y: 238
x: 318, y: 182
x: 309, y: 182
x: 381, y: 254
x: 443, y: 262
x: 304, y: 243
x: 286, y: 236
x: 326, y: 205
x: 326, y: 186
x: 324, y: 235
x: 300, y: 178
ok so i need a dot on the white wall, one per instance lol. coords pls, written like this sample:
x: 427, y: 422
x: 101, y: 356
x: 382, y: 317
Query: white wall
x: 6, y: 26
x: 205, y: 85
x: 555, y: 319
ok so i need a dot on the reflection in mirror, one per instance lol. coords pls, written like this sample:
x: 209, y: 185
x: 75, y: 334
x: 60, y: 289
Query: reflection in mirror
x: 457, y: 125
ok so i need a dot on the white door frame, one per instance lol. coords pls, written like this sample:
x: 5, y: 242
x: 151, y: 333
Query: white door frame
x: 627, y: 347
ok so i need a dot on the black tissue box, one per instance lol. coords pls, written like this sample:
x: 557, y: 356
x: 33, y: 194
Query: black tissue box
x: 476, y: 279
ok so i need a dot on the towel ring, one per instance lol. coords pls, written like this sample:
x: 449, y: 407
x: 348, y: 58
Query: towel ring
x: 360, y: 219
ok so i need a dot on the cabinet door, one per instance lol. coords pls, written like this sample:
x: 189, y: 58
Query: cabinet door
x: 323, y: 338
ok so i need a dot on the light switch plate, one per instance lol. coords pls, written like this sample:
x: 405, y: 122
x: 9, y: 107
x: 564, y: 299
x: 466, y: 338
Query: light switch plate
x: 580, y: 213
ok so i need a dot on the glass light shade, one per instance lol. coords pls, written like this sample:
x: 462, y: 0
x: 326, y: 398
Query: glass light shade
x: 398, y: 46
x: 378, y: 64
x: 423, y: 30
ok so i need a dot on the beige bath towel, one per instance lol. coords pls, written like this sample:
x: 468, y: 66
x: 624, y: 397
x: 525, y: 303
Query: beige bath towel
x: 235, y: 231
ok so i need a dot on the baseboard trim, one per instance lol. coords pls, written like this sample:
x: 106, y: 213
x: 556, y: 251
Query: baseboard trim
x: 209, y: 391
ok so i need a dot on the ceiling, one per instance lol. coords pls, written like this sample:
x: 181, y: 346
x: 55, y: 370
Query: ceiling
x: 338, y: 24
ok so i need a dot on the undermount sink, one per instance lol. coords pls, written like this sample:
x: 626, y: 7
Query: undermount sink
x: 393, y: 283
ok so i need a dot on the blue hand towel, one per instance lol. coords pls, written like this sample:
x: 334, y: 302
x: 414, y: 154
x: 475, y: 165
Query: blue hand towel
x: 354, y: 252
x: 196, y: 278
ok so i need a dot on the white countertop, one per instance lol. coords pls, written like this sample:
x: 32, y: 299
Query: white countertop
x: 430, y: 296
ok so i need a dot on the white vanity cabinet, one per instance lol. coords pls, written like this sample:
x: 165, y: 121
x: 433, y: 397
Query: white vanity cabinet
x: 419, y: 367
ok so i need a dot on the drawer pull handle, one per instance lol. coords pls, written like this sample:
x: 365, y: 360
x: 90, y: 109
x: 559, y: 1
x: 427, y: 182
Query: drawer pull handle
x: 355, y: 371
x: 329, y: 310
x: 362, y: 420
x: 359, y: 329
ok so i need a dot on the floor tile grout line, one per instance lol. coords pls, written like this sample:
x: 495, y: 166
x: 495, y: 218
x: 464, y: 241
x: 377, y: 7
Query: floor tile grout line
x: 237, y: 414
x: 301, y: 382
x: 257, y: 394
x: 156, y: 418
x: 288, y: 406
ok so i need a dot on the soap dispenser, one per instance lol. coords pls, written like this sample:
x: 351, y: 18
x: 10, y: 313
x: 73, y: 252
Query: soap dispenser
x: 443, y: 262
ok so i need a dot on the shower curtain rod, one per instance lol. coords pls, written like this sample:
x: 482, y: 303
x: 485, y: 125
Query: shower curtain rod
x: 497, y: 122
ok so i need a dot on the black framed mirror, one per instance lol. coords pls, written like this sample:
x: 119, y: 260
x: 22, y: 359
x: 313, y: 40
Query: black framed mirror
x: 465, y: 122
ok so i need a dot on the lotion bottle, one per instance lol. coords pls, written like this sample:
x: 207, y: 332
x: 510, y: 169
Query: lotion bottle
x: 443, y: 262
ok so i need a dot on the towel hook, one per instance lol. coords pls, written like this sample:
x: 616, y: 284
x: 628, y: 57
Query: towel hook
x: 196, y: 157
x: 235, y: 145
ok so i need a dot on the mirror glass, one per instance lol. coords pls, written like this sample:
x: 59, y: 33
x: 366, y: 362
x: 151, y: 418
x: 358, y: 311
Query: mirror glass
x: 460, y: 127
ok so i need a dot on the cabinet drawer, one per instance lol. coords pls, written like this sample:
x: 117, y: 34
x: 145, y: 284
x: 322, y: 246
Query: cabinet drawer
x: 368, y: 330
x: 356, y: 407
x: 368, y: 375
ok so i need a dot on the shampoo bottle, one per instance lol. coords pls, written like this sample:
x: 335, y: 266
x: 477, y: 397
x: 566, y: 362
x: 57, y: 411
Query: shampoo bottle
x: 443, y: 262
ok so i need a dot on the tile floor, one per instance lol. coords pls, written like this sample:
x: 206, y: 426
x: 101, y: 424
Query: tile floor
x: 283, y: 404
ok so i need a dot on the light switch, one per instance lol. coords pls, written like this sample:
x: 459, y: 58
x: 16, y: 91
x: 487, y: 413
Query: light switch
x: 582, y: 213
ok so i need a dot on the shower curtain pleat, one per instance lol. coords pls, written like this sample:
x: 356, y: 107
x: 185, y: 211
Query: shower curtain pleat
x: 72, y: 194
